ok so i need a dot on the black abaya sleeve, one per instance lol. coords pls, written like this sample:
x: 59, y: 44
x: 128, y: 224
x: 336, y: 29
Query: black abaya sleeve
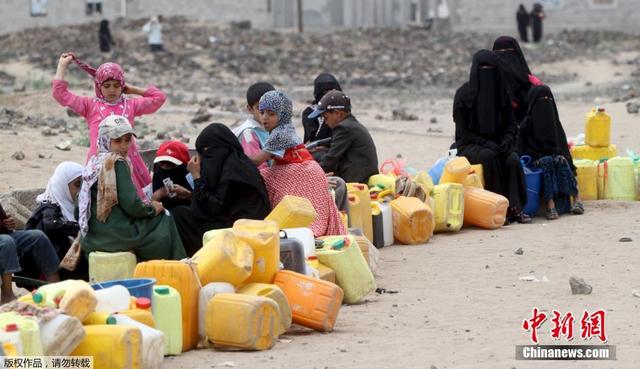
x: 204, y: 200
x: 464, y: 136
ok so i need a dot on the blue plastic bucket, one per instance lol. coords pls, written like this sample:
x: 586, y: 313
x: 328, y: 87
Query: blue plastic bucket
x: 533, y: 180
x: 138, y: 287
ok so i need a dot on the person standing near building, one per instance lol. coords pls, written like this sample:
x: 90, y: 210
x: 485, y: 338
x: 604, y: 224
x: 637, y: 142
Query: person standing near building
x: 104, y: 37
x: 523, y: 18
x: 153, y: 29
x: 537, y: 16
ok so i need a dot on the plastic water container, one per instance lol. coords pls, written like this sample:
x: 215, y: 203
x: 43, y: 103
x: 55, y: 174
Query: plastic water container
x: 323, y: 272
x: 143, y: 316
x: 315, y: 303
x: 594, y: 153
x: 620, y: 179
x: 370, y: 252
x: 484, y: 209
x: 479, y: 171
x: 31, y: 343
x: 533, y: 180
x: 112, y: 346
x: 292, y: 255
x: 8, y: 349
x: 242, y: 321
x: 182, y: 276
x: 96, y: 318
x: 264, y: 238
x: 448, y: 207
x: 113, y: 299
x: 61, y: 335
x: 355, y: 213
x: 74, y: 297
x: 152, y: 342
x: 383, y: 182
x: 138, y: 287
x: 274, y: 293
x: 597, y: 128
x: 343, y: 255
x: 455, y: 170
x: 225, y: 258
x: 362, y: 191
x: 587, y: 171
x: 11, y: 333
x: 423, y: 179
x: 412, y: 220
x: 209, y: 235
x: 166, y: 308
x: 293, y: 212
x: 206, y: 293
x: 108, y: 266
x: 305, y: 235
x: 436, y: 170
x: 473, y: 180
x: 377, y: 220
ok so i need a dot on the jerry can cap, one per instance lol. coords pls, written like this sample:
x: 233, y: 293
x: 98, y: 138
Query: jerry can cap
x: 11, y: 327
x: 111, y: 320
x: 37, y: 297
x: 143, y: 302
x: 162, y: 290
x: 600, y: 109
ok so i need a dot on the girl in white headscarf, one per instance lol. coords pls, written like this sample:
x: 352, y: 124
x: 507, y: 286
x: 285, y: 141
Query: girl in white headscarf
x: 56, y: 206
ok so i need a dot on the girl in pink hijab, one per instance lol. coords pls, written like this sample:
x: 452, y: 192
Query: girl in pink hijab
x: 110, y: 88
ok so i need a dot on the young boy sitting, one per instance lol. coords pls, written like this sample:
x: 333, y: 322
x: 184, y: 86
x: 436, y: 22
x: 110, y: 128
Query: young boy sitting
x: 352, y: 155
x: 251, y: 133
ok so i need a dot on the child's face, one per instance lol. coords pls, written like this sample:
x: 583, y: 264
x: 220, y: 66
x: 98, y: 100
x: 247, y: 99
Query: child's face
x: 269, y: 119
x: 255, y: 112
x: 111, y: 90
x: 74, y: 187
x: 121, y: 144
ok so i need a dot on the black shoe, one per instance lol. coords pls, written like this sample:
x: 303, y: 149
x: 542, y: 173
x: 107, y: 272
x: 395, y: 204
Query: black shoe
x: 516, y: 215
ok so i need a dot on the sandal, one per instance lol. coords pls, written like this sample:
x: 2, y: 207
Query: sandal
x: 552, y: 214
x: 577, y: 208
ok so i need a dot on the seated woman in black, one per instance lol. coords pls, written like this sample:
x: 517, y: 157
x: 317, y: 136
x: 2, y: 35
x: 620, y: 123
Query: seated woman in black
x: 486, y: 131
x: 542, y: 137
x: 519, y: 76
x: 314, y: 128
x: 55, y: 216
x: 227, y: 187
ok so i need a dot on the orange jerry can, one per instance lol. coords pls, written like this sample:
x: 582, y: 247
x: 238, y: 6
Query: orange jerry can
x: 484, y: 209
x: 183, y: 277
x: 314, y: 303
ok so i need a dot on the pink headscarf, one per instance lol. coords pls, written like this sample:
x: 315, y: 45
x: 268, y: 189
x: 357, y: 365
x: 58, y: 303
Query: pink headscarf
x: 104, y: 72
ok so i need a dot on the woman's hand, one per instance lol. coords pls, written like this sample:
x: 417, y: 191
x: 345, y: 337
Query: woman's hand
x: 194, y: 167
x: 181, y: 192
x: 160, y: 194
x: 157, y: 206
x: 9, y: 223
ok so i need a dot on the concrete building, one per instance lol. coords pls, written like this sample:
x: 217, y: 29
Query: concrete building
x: 485, y: 15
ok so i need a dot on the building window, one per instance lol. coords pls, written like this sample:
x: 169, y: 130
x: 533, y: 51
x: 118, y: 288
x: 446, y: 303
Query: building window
x: 38, y: 8
x: 94, y: 7
x: 603, y: 4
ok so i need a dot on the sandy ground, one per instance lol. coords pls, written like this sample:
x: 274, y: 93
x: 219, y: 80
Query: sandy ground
x: 460, y: 303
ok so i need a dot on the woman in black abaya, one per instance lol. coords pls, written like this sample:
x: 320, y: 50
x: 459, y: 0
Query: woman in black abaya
x: 227, y: 184
x: 486, y: 131
x: 542, y: 137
